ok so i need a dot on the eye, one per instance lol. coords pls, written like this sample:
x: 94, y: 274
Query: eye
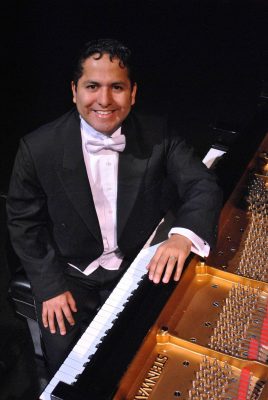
x: 92, y: 86
x: 117, y: 88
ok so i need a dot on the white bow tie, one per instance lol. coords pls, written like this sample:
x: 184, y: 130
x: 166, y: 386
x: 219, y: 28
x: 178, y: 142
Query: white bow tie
x: 117, y: 143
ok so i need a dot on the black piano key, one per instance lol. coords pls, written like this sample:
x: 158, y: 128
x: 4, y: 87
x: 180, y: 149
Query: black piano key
x: 63, y: 391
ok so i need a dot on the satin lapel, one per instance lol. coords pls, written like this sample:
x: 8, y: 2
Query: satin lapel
x: 132, y: 166
x: 73, y: 175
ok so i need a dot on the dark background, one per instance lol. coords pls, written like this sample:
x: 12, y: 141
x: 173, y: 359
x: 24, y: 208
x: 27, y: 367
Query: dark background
x: 202, y: 62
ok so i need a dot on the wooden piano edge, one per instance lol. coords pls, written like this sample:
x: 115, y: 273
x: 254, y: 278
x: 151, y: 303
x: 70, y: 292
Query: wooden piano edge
x: 233, y: 216
x: 239, y: 189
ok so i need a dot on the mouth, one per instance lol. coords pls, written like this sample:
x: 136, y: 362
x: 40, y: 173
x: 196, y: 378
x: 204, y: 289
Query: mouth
x: 103, y: 114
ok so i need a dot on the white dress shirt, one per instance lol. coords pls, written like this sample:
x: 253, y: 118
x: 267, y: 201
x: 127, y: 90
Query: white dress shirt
x: 102, y: 168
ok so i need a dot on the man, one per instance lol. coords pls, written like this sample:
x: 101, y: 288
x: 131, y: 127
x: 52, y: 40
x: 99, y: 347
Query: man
x: 88, y: 190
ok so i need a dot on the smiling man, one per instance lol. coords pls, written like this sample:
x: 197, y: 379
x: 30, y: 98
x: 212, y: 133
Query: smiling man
x: 104, y: 93
x: 88, y: 190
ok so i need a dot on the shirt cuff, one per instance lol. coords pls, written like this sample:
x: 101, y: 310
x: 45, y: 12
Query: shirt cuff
x: 199, y: 246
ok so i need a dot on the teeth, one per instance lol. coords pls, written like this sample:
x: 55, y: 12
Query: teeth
x: 104, y: 112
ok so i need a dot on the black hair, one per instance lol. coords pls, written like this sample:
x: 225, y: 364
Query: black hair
x: 112, y: 47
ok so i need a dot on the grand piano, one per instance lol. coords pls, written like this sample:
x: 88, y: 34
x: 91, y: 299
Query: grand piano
x: 180, y: 340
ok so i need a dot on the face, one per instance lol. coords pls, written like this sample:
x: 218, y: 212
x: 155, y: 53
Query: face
x: 104, y: 95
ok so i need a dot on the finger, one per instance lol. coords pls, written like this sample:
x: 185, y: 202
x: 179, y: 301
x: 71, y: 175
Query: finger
x: 172, y: 262
x: 60, y: 322
x: 44, y: 316
x: 51, y: 321
x: 158, y: 269
x: 72, y: 303
x: 69, y: 316
x: 178, y: 272
x: 179, y: 268
x: 152, y: 266
x: 154, y: 261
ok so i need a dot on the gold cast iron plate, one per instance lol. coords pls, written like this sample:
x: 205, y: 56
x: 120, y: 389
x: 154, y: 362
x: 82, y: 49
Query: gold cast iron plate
x: 177, y: 375
x: 198, y: 301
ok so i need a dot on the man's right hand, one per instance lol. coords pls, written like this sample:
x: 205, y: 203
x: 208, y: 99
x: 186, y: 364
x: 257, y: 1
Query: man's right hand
x: 56, y: 309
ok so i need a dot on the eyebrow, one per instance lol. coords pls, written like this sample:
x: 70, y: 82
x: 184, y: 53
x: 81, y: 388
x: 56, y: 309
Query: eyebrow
x: 113, y: 83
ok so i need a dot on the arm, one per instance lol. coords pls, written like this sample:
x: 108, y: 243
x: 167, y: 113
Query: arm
x: 29, y: 224
x: 197, y: 214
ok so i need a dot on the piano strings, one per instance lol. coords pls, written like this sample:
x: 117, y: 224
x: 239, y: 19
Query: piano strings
x: 218, y: 381
x: 253, y: 258
x: 244, y: 316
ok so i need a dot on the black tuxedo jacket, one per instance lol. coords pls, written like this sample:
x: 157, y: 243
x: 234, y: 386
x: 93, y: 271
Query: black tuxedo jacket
x: 51, y: 214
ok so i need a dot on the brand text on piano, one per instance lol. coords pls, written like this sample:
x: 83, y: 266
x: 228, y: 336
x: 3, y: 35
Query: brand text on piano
x: 151, y: 378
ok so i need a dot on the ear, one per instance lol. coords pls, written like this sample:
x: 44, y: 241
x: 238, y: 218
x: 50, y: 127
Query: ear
x: 133, y: 93
x: 73, y: 91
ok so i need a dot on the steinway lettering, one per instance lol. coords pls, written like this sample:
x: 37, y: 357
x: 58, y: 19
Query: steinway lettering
x: 151, y: 378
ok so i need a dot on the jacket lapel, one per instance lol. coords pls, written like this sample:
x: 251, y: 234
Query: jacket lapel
x: 132, y: 165
x: 73, y: 175
x: 72, y: 172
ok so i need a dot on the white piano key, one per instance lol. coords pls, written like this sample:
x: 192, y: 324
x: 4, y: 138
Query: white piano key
x: 88, y: 339
x: 74, y: 364
x: 119, y: 299
x: 85, y: 345
x: 104, y: 313
x: 50, y: 388
x: 129, y: 279
x: 110, y: 308
x: 136, y: 273
x: 63, y: 377
x: 89, y: 335
x: 45, y: 395
x: 80, y: 358
x: 96, y: 324
x: 66, y: 369
x: 101, y: 332
x: 82, y: 351
x: 59, y: 377
x: 116, y: 305
x: 92, y: 331
x: 105, y: 318
x: 129, y: 287
x: 120, y: 291
x: 114, y: 300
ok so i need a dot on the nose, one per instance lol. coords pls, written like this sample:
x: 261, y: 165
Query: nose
x: 104, y: 97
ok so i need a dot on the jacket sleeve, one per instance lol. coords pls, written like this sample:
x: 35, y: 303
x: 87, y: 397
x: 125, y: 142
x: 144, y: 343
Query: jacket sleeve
x: 199, y: 192
x: 28, y: 224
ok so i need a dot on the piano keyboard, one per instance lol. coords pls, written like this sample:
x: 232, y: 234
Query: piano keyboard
x: 88, y: 344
